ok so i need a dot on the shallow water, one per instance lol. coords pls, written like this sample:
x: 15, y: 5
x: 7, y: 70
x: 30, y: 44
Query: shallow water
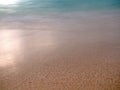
x: 45, y: 11
x: 40, y: 6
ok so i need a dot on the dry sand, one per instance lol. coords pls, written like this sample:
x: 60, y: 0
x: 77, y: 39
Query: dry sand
x: 71, y: 58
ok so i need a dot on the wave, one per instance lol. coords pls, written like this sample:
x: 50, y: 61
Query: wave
x: 38, y: 6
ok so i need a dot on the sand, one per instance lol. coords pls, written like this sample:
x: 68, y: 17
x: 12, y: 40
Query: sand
x: 55, y: 56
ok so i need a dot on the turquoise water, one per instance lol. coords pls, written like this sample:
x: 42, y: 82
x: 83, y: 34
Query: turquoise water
x: 39, y: 6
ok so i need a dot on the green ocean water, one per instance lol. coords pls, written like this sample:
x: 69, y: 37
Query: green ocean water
x: 39, y: 6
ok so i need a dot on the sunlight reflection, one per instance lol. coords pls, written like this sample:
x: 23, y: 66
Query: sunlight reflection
x: 17, y: 45
x: 9, y: 44
x: 8, y: 2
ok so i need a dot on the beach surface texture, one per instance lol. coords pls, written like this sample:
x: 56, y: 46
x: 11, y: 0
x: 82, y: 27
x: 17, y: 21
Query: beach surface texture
x: 60, y: 49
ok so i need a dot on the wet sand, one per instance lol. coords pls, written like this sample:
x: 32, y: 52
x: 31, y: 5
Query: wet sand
x: 60, y: 56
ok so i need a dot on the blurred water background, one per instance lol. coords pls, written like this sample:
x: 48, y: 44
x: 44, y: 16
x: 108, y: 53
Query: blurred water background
x: 21, y: 11
x: 40, y: 6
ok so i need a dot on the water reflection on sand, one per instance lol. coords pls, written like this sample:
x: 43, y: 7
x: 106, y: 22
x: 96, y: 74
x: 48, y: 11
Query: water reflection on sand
x: 16, y: 42
x: 9, y: 46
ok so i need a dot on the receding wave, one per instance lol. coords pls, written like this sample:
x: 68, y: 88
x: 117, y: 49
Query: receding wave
x: 37, y: 6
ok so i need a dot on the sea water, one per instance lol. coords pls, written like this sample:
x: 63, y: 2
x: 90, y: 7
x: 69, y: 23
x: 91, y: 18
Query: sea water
x: 61, y: 11
x: 39, y: 6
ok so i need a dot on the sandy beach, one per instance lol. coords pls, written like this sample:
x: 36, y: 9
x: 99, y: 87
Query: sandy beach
x: 70, y: 54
